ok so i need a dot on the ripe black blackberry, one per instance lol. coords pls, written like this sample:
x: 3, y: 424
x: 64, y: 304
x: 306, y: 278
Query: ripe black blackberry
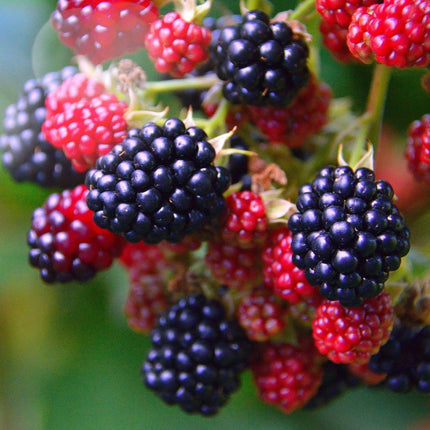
x: 197, y: 356
x: 336, y: 380
x: 348, y: 235
x: 26, y: 154
x: 238, y: 163
x: 193, y: 97
x: 405, y: 358
x: 159, y: 184
x: 261, y: 62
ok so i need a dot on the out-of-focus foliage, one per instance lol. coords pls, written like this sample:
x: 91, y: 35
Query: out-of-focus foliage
x: 67, y: 357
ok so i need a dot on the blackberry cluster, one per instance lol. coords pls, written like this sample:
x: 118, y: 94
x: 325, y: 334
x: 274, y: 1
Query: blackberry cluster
x: 238, y: 163
x: 263, y: 63
x: 27, y: 156
x: 348, y: 235
x: 336, y: 380
x: 197, y: 356
x: 405, y: 358
x: 160, y: 183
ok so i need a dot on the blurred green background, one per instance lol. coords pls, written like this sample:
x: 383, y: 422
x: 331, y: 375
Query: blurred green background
x: 67, y: 357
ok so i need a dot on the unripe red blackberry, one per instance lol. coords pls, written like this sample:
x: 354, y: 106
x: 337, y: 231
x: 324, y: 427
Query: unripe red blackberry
x: 353, y: 335
x: 160, y: 183
x: 27, y: 155
x: 347, y: 234
x: 233, y: 266
x: 304, y: 116
x: 261, y: 62
x: 261, y: 315
x: 177, y: 46
x: 395, y: 33
x: 84, y: 120
x: 246, y: 222
x: 418, y: 148
x: 197, y: 356
x: 286, y: 375
x: 101, y: 29
x: 65, y: 243
x: 279, y: 271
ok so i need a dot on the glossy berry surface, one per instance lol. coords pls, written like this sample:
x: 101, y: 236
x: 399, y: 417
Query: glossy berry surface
x: 177, y: 47
x: 160, y: 183
x: 197, y: 356
x: 66, y: 244
x: 304, y: 116
x: 417, y: 150
x: 246, y: 221
x: 352, y: 335
x: 102, y: 30
x: 395, y: 33
x: 405, y: 359
x: 347, y: 234
x: 85, y: 125
x: 280, y: 273
x: 287, y: 376
x: 262, y: 63
x: 26, y: 154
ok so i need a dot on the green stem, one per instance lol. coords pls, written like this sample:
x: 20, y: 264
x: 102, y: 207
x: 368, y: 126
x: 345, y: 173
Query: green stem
x: 371, y: 127
x: 218, y: 119
x: 303, y: 9
x: 198, y: 83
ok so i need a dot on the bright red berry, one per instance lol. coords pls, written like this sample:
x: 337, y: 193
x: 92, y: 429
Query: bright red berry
x: 306, y: 115
x: 287, y: 376
x: 246, y: 222
x: 340, y: 11
x: 103, y: 29
x: 418, y: 149
x: 84, y: 121
x: 395, y: 33
x: 65, y: 242
x: 149, y: 258
x: 352, y: 335
x: 279, y: 271
x: 176, y: 46
x: 233, y: 266
x: 261, y: 314
x: 334, y: 39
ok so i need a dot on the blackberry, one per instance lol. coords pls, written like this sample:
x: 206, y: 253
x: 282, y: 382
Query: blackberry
x: 65, y: 244
x: 347, y: 234
x: 238, y: 163
x: 261, y: 62
x: 27, y: 156
x: 194, y: 97
x: 405, y: 358
x: 160, y: 183
x: 197, y: 356
x: 336, y: 380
